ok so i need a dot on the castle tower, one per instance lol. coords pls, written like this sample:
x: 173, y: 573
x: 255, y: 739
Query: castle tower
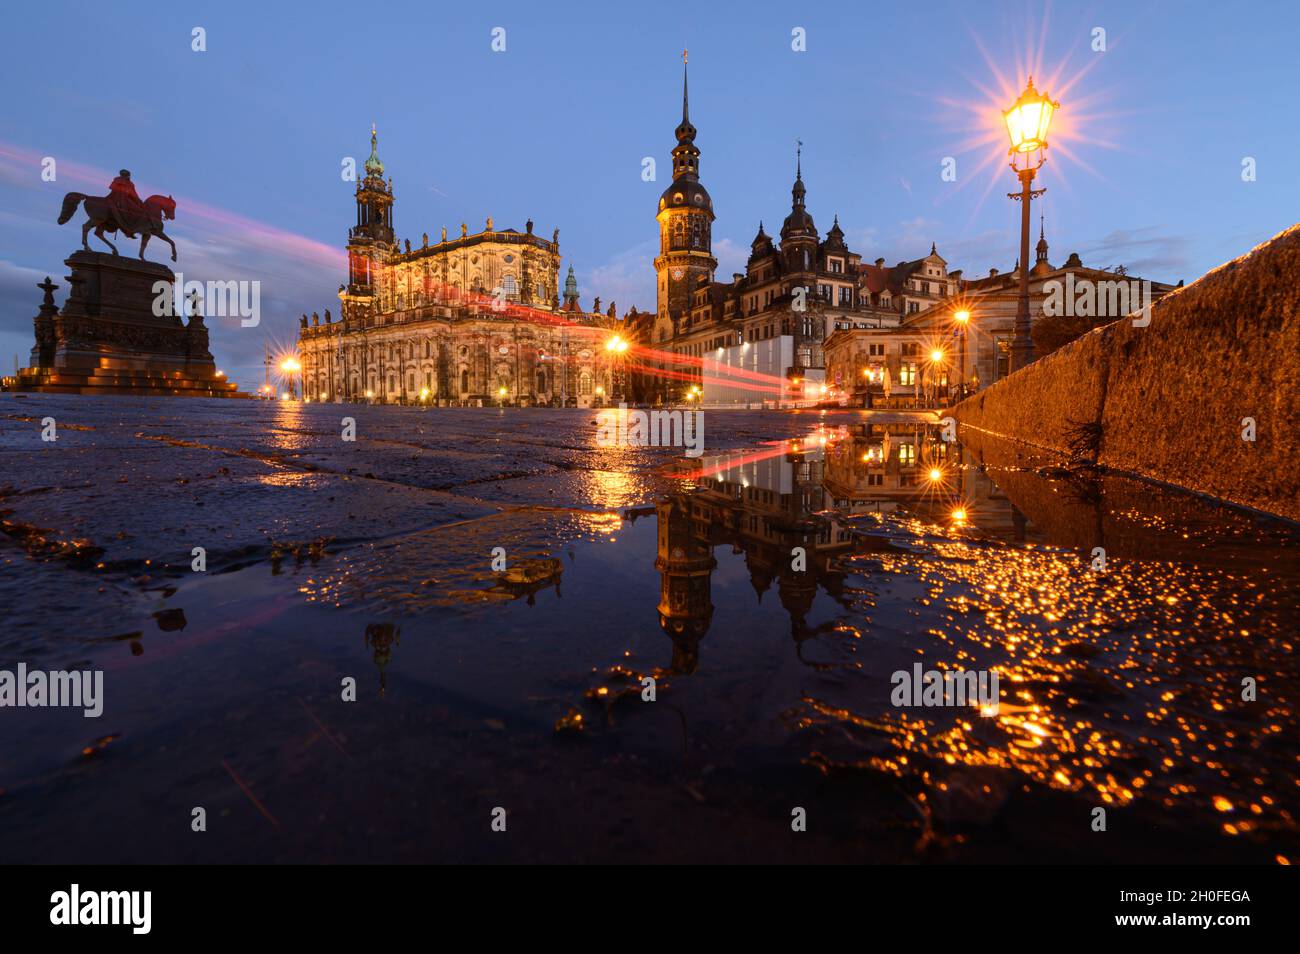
x: 1041, y: 265
x: 685, y: 220
x: 798, y: 232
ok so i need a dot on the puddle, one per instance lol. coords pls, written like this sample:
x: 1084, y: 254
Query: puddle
x: 773, y: 674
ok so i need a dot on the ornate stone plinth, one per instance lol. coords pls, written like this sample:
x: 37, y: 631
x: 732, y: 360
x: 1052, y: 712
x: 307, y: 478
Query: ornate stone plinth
x: 107, y: 338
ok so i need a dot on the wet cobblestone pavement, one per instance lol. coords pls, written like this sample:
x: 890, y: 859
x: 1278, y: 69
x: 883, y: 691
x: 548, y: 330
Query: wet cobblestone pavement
x: 1121, y: 686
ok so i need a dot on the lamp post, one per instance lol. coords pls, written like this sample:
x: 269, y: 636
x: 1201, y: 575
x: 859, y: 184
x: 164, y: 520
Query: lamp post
x: 616, y: 346
x: 1027, y: 121
x: 962, y: 317
x: 290, y: 366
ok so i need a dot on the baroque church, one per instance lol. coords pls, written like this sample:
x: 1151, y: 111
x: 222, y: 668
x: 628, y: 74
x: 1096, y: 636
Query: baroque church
x: 469, y: 320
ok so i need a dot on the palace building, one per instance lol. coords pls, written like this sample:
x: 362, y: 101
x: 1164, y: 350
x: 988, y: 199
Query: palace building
x: 759, y: 338
x: 809, y: 321
x: 471, y: 320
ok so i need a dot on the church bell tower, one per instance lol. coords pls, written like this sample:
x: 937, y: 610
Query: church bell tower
x: 370, y: 242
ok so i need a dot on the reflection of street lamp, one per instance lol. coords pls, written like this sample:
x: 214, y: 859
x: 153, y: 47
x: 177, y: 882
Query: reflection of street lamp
x: 936, y: 362
x: 1027, y: 122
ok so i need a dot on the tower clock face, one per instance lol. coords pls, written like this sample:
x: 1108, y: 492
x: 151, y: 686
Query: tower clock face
x: 678, y: 273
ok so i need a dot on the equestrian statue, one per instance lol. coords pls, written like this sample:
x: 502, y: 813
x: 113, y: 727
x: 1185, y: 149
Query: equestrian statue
x: 122, y: 210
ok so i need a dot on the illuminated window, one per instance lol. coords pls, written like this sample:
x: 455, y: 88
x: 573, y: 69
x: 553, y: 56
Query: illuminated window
x: 907, y: 454
x: 907, y: 374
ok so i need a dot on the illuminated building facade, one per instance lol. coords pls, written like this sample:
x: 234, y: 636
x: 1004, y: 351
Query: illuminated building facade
x: 475, y: 319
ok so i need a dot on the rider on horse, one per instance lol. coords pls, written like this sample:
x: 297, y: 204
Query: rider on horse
x: 127, y: 207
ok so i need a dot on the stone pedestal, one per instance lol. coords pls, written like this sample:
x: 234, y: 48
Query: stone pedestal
x: 118, y: 333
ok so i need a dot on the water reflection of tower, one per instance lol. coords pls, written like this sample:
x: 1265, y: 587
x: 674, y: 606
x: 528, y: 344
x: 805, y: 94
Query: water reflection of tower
x: 381, y: 637
x: 798, y: 588
x: 685, y: 566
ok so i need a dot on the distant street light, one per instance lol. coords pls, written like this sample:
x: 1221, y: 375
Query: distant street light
x: 616, y: 346
x: 1027, y: 122
x: 290, y: 366
x: 962, y: 317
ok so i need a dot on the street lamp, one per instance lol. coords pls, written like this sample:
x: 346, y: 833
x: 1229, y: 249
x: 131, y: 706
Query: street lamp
x: 962, y: 317
x: 503, y: 392
x: 290, y: 366
x: 1027, y: 122
x: 616, y: 346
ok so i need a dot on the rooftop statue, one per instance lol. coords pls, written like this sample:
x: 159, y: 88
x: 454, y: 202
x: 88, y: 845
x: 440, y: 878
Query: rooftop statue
x: 121, y: 210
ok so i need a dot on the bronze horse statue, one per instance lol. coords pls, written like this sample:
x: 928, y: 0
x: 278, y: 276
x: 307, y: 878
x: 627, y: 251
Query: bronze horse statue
x: 100, y: 217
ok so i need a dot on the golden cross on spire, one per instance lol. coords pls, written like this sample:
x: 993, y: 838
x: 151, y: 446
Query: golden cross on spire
x: 684, y: 52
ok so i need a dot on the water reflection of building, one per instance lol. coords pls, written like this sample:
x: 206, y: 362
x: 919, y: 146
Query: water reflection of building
x: 806, y: 495
x: 764, y: 507
x: 685, y: 563
x: 878, y: 467
x: 882, y: 468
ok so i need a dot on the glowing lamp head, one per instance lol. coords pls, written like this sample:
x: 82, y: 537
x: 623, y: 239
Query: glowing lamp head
x: 1028, y: 118
x: 616, y: 344
x: 962, y: 316
x: 936, y: 474
x: 959, y: 515
x: 502, y: 392
x: 290, y: 365
x: 936, y: 355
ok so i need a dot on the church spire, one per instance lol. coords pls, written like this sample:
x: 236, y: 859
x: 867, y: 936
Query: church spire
x: 798, y: 192
x: 374, y: 166
x: 571, y: 292
x: 686, y: 100
x: 685, y: 131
